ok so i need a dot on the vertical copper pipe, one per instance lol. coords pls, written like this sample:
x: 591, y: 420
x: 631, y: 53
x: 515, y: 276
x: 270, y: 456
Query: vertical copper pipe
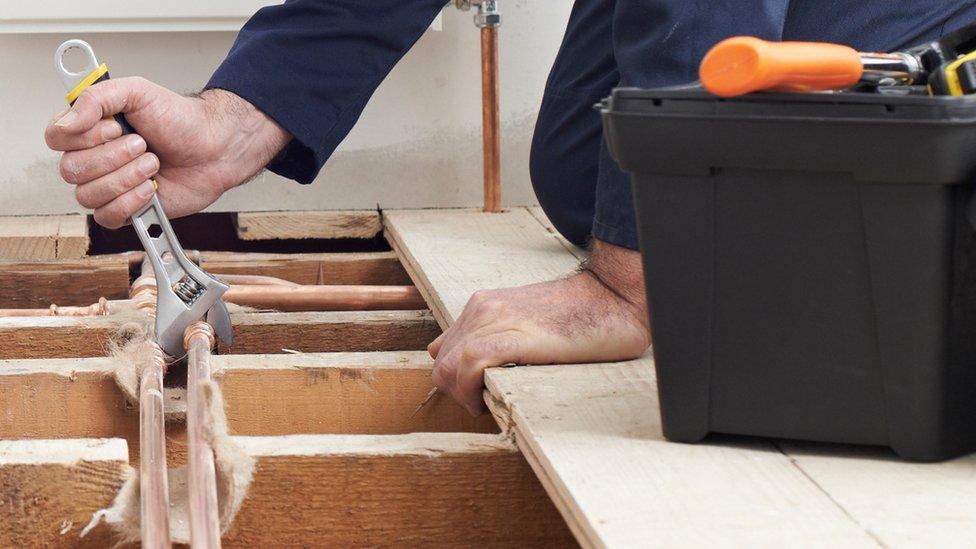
x: 489, y: 119
x: 154, y: 488
x: 153, y: 476
x: 204, y: 516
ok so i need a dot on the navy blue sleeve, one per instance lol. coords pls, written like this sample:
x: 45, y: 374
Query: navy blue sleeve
x: 312, y: 65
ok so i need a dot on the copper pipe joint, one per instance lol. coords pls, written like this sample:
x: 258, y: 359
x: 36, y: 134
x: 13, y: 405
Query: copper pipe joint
x: 199, y: 330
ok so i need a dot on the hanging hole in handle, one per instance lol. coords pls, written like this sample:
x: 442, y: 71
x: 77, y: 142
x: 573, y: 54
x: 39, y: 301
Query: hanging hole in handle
x: 74, y: 60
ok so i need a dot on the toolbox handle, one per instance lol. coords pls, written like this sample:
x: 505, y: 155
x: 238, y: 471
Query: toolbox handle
x: 744, y: 64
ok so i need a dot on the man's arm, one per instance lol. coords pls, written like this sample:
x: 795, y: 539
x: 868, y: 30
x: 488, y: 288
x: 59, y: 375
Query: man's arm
x: 596, y: 315
x: 290, y: 90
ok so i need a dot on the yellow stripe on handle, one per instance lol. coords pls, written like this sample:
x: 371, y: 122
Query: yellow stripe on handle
x: 88, y: 81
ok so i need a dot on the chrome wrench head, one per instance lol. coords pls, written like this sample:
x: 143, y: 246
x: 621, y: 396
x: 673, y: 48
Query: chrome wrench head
x: 185, y: 293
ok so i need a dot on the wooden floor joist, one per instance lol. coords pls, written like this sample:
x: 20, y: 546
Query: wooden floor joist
x: 79, y: 282
x: 430, y: 489
x: 65, y: 337
x: 367, y: 393
x: 50, y: 488
x: 312, y: 224
x: 312, y: 268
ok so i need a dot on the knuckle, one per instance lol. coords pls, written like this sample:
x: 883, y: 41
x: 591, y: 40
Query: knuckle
x: 472, y: 352
x: 84, y: 197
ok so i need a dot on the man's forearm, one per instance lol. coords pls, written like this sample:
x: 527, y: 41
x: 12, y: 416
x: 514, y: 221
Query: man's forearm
x: 622, y: 272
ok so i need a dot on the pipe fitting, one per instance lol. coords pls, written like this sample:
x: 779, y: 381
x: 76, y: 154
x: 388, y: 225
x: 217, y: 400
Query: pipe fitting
x: 488, y: 15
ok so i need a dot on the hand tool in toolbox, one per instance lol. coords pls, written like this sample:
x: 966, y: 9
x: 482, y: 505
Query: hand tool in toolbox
x: 185, y: 292
x: 745, y: 64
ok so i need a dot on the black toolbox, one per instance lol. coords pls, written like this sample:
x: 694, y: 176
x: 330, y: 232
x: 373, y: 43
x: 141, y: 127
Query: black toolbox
x: 810, y: 263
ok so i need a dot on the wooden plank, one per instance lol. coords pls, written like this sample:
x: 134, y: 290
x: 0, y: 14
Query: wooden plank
x: 429, y: 489
x: 50, y: 488
x: 543, y: 219
x: 450, y: 254
x: 380, y: 268
x: 367, y: 393
x: 81, y: 337
x: 297, y: 225
x: 43, y: 237
x: 902, y: 504
x: 77, y: 282
x: 592, y: 432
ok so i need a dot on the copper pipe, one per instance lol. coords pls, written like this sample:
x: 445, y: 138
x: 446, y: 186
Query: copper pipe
x: 254, y: 280
x: 153, y: 485
x: 202, y: 484
x: 101, y: 308
x: 489, y: 119
x: 327, y: 298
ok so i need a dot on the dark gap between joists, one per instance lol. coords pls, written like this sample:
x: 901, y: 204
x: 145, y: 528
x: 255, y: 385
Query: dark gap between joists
x: 216, y: 231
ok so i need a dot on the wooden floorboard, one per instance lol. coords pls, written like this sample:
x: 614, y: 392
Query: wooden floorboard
x: 43, y: 237
x: 254, y: 333
x: 592, y: 432
x: 50, y: 488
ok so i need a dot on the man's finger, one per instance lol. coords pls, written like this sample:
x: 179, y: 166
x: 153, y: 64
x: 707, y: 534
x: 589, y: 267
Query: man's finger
x: 107, y: 188
x: 115, y: 214
x: 102, y: 132
x: 435, y: 346
x: 79, y: 167
x: 102, y: 100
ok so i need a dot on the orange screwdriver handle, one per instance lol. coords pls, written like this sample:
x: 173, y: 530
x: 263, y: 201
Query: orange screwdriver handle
x: 744, y: 64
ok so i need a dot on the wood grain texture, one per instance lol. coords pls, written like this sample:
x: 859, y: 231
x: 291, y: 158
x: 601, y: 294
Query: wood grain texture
x: 43, y: 237
x: 368, y: 393
x: 297, y: 225
x: 422, y: 489
x: 594, y: 433
x: 382, y: 268
x: 331, y: 331
x: 50, y: 488
x: 450, y: 254
x: 901, y: 504
x: 543, y: 219
x: 82, y: 337
x: 78, y: 282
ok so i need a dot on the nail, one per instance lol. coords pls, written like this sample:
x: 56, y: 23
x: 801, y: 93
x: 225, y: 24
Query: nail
x: 111, y: 131
x: 145, y: 189
x: 67, y: 119
x: 135, y: 144
x: 148, y: 165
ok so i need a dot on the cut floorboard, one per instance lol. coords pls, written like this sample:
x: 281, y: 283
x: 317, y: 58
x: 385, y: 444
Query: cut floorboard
x: 43, y: 237
x: 78, y: 282
x: 450, y: 254
x: 592, y: 432
x: 364, y: 393
x: 254, y: 333
x: 370, y: 268
x: 50, y: 488
x: 318, y: 224
x: 422, y: 489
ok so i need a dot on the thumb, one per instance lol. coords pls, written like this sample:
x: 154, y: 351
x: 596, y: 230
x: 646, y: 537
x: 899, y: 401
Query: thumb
x: 107, y: 99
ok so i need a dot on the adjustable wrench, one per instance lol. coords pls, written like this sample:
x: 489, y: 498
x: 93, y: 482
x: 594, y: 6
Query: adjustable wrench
x: 185, y: 292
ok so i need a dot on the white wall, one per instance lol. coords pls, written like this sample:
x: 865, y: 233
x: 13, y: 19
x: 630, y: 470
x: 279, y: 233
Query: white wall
x: 418, y: 144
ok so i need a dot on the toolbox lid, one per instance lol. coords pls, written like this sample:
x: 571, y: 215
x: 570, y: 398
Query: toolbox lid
x: 880, y: 137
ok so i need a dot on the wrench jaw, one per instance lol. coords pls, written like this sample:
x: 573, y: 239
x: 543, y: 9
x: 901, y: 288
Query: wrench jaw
x: 174, y: 315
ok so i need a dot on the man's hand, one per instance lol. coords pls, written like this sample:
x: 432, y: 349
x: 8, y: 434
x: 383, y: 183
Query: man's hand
x: 200, y: 147
x: 596, y: 315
